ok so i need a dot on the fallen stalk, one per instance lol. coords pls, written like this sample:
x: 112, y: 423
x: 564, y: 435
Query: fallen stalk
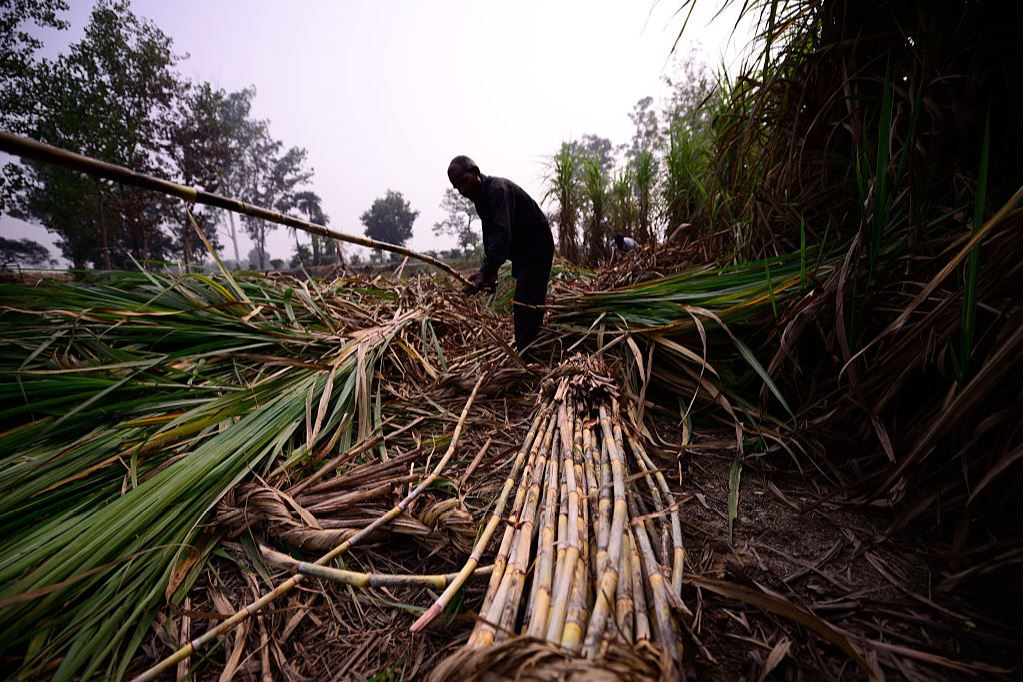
x: 611, y: 569
x: 674, y: 510
x: 362, y: 579
x: 496, y: 517
x: 501, y: 559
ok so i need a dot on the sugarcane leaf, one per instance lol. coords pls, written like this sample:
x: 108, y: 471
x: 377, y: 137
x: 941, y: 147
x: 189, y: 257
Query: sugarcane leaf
x: 733, y: 496
x: 787, y: 610
x: 758, y: 368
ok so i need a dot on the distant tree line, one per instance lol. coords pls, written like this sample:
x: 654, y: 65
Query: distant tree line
x: 117, y: 95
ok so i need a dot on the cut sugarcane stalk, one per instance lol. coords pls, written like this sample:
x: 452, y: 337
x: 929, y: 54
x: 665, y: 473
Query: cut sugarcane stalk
x: 679, y: 555
x: 496, y: 517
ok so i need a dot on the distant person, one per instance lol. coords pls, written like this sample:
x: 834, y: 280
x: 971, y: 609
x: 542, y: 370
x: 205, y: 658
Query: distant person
x: 622, y: 244
x: 516, y: 229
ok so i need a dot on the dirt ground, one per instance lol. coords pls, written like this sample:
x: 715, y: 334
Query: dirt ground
x: 837, y: 562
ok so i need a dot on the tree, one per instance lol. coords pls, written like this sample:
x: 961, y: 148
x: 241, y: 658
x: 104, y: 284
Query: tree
x: 690, y: 90
x: 240, y: 132
x: 17, y: 54
x: 389, y: 219
x: 647, y: 133
x: 272, y: 184
x: 200, y: 148
x: 24, y: 252
x: 257, y: 257
x: 109, y: 97
x: 460, y: 213
x: 300, y: 256
x: 595, y: 147
x: 309, y: 203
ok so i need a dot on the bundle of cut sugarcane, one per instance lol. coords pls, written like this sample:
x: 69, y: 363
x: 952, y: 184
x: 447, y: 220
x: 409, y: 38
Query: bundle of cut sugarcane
x: 603, y: 559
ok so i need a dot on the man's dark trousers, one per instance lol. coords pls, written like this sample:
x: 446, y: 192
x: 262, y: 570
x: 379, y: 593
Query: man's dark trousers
x: 529, y: 297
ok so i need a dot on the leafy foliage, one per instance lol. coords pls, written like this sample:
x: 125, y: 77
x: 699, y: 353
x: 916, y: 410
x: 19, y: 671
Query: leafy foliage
x: 460, y: 215
x: 17, y: 54
x: 595, y: 184
x: 652, y: 181
x: 864, y: 130
x: 562, y: 178
x: 24, y: 252
x: 389, y: 219
x: 117, y: 96
x: 119, y: 440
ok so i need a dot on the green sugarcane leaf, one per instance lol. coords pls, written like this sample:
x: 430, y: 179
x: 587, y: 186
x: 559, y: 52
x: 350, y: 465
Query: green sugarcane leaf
x: 733, y: 499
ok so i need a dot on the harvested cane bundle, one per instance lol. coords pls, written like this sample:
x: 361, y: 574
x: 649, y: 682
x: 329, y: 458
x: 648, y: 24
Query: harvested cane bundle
x: 604, y: 558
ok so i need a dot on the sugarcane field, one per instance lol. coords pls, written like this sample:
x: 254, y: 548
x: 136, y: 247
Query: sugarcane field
x: 549, y: 341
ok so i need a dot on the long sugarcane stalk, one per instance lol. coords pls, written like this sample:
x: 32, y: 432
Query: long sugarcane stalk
x: 285, y: 587
x: 598, y: 549
x: 527, y: 525
x: 624, y: 593
x: 604, y: 507
x: 502, y: 612
x: 610, y: 572
x: 362, y: 579
x: 535, y: 580
x: 502, y: 557
x: 564, y: 581
x: 542, y: 593
x: 577, y: 609
x: 658, y: 518
x: 656, y: 582
x: 642, y: 624
x: 679, y: 555
x: 590, y: 471
x: 496, y: 517
x: 27, y: 148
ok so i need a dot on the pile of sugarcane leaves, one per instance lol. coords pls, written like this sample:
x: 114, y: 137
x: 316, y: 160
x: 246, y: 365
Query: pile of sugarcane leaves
x: 255, y: 477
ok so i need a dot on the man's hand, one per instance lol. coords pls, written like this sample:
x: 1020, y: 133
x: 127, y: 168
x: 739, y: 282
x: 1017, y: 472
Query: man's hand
x: 479, y: 281
x: 476, y: 283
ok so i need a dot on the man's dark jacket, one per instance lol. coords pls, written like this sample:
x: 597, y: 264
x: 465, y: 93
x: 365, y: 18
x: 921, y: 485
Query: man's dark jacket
x: 514, y: 227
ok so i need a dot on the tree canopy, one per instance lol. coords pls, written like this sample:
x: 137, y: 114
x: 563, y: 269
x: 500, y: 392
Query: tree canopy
x: 23, y: 252
x: 117, y: 95
x: 460, y: 215
x: 389, y: 219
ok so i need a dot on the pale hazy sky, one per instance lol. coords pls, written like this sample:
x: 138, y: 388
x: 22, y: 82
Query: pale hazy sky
x: 383, y: 94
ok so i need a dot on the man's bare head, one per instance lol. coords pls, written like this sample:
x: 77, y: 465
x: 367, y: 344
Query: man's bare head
x: 464, y: 175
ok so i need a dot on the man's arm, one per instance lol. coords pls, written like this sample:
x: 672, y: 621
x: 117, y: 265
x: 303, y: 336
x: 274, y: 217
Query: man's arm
x: 498, y: 238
